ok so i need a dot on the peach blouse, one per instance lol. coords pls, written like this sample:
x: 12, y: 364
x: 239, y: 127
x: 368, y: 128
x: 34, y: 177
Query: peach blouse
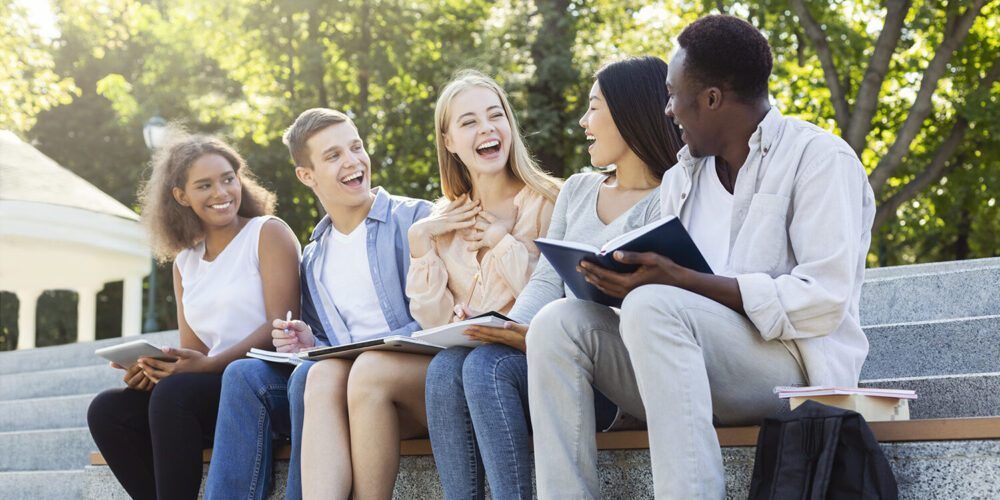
x: 451, y: 274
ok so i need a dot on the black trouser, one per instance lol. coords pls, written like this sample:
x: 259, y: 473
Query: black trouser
x: 153, y: 440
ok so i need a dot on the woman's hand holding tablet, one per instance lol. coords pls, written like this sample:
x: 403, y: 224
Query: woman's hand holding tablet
x: 184, y: 361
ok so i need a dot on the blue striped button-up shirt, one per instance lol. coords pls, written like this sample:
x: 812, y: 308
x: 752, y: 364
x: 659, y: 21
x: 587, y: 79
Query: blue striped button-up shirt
x: 387, y: 223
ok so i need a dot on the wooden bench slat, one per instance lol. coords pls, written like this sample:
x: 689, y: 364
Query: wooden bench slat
x: 937, y: 429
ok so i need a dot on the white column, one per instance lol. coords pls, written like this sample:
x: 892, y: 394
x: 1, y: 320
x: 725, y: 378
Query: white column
x: 27, y: 302
x: 132, y: 306
x: 86, y: 314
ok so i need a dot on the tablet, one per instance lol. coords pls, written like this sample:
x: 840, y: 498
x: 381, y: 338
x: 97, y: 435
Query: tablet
x: 128, y: 353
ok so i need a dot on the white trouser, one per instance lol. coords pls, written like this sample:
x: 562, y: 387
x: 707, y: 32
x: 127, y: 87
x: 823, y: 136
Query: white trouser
x: 673, y: 358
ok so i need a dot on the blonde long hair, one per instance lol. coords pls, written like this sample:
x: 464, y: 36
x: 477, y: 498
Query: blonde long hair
x: 173, y: 227
x: 455, y: 180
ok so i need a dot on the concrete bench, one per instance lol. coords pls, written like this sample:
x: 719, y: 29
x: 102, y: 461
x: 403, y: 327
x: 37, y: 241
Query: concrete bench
x: 915, y: 448
x: 937, y: 429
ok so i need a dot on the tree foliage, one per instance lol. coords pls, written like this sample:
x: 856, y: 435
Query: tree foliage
x: 909, y: 84
x: 28, y: 82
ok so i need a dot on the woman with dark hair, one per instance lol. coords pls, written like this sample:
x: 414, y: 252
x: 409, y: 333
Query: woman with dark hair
x: 235, y: 266
x: 477, y: 404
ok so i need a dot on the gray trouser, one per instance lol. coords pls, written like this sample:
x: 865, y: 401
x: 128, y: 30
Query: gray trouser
x: 673, y: 358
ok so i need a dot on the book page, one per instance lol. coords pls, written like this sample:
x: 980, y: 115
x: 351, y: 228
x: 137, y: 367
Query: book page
x: 618, y: 241
x: 570, y: 244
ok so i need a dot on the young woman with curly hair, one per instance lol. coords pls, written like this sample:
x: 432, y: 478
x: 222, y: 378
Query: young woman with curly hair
x: 235, y: 267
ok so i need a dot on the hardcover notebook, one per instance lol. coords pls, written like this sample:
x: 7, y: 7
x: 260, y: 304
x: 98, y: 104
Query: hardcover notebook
x: 666, y: 237
x: 428, y: 341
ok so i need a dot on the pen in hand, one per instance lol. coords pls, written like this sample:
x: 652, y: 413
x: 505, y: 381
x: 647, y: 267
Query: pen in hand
x: 460, y: 311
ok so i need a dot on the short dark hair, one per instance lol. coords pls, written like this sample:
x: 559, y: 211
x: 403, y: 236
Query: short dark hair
x: 636, y: 95
x: 727, y: 52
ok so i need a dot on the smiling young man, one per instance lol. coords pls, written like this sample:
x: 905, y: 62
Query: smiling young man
x: 782, y: 211
x: 353, y: 281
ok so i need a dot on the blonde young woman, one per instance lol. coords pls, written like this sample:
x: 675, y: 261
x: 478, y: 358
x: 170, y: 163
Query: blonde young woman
x: 235, y: 266
x: 475, y: 254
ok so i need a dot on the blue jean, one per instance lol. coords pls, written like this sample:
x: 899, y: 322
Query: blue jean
x: 477, y: 415
x: 260, y: 401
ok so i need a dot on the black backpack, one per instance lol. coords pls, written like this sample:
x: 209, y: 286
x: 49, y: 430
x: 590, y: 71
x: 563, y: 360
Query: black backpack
x: 820, y: 452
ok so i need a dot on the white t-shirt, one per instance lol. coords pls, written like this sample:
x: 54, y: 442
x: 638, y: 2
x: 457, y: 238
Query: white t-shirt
x: 711, y: 217
x: 347, y: 279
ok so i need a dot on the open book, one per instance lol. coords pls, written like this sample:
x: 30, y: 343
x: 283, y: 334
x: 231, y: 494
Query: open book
x: 666, y: 237
x: 428, y: 341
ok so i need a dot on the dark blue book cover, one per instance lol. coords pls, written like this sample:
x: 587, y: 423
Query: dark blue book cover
x: 666, y: 237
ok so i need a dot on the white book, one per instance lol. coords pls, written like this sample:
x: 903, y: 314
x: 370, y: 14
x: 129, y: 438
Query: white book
x: 290, y: 358
x: 829, y: 390
x: 453, y: 334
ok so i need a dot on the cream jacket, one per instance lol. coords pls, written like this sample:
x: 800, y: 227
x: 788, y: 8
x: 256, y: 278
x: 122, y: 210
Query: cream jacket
x: 450, y: 273
x: 799, y: 236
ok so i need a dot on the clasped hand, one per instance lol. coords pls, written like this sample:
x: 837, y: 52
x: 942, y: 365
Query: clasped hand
x: 485, y: 230
x: 489, y: 230
x: 653, y: 269
x: 459, y: 214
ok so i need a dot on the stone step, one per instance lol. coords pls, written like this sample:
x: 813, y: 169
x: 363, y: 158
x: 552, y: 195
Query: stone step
x: 931, y: 268
x: 51, y: 449
x: 918, y: 349
x: 927, y: 348
x: 56, y: 412
x: 61, y: 382
x: 41, y: 485
x: 71, y: 355
x: 930, y: 469
x: 948, y: 396
x: 924, y: 297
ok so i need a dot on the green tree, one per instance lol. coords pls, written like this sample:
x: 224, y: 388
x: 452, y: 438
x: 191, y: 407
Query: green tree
x: 909, y: 84
x: 28, y: 82
x: 909, y: 97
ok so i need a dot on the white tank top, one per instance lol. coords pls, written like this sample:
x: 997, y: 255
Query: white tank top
x: 224, y: 299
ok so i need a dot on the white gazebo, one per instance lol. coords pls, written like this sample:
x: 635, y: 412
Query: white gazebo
x: 59, y: 232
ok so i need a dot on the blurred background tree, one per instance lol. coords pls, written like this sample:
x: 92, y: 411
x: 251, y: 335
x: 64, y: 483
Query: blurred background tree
x: 911, y: 85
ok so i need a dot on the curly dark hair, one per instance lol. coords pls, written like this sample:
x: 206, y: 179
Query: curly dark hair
x: 727, y: 52
x: 173, y: 227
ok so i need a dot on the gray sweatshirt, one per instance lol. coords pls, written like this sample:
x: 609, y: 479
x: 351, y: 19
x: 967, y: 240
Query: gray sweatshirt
x: 575, y: 219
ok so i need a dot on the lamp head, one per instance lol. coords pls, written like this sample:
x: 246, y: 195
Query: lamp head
x: 154, y: 132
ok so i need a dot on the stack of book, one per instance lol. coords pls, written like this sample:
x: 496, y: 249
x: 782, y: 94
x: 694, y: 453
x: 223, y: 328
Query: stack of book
x: 876, y: 405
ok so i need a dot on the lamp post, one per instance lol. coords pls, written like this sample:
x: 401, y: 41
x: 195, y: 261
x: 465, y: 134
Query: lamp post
x: 153, y: 133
